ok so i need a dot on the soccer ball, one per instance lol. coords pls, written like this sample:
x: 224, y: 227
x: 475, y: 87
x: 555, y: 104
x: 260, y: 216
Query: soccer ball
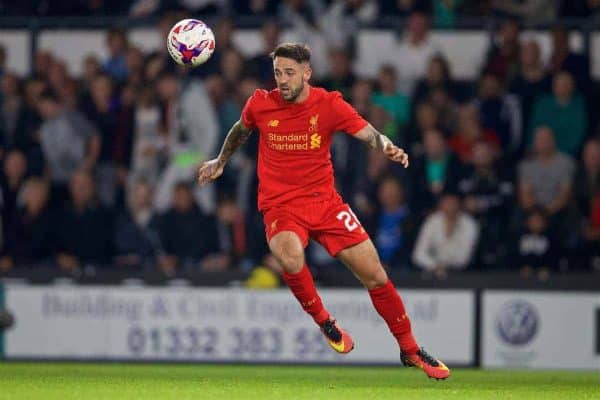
x: 191, y: 42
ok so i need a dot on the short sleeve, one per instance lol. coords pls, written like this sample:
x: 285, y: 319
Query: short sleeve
x: 346, y: 118
x: 248, y: 118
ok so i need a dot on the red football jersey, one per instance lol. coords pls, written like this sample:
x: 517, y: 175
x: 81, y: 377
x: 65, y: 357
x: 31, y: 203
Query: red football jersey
x: 294, y: 162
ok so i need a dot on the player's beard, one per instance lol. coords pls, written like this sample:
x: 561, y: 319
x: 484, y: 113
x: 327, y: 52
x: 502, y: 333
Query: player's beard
x: 293, y: 93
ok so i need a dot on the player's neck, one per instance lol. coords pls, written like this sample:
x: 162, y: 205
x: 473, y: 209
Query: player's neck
x: 302, y: 96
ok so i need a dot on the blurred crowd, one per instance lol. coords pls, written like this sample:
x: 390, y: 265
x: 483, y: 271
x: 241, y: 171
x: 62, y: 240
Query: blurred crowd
x: 99, y: 169
x: 318, y: 13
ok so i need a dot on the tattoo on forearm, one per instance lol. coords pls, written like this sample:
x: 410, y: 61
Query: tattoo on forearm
x: 374, y: 139
x: 238, y: 134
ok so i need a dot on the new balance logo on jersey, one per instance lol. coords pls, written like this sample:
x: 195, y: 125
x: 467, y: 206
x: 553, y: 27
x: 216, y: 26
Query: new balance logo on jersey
x: 315, y: 141
x: 274, y: 123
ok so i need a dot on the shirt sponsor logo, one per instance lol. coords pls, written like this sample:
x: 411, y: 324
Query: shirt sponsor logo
x: 295, y: 141
x: 315, y: 141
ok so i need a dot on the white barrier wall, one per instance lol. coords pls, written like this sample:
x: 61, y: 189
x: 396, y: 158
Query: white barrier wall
x: 465, y: 50
x: 16, y: 42
x: 221, y: 324
x: 540, y: 329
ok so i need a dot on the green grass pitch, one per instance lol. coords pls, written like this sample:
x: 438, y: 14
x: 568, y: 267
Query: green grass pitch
x: 186, y: 381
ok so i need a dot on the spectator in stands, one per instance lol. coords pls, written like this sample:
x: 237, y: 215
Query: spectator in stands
x: 437, y: 76
x: 262, y: 64
x: 531, y: 81
x: 231, y: 239
x: 62, y: 84
x: 343, y: 18
x: 62, y: 126
x: 426, y: 119
x: 30, y: 236
x: 11, y: 107
x: 469, y: 131
x: 405, y: 8
x: 366, y: 187
x: 361, y: 94
x: 447, y: 239
x: 546, y: 179
x: 232, y: 68
x: 500, y: 113
x: 223, y: 30
x: 527, y: 10
x: 135, y: 241
x: 488, y: 194
x: 445, y: 12
x: 591, y: 235
x: 383, y: 121
x: 27, y: 130
x: 192, y: 132
x: 433, y: 173
x: 503, y: 57
x: 2, y: 60
x: 563, y: 59
x: 14, y: 173
x: 90, y: 69
x: 586, y: 194
x: 148, y: 142
x: 340, y: 76
x: 116, y: 64
x: 300, y: 13
x: 135, y: 66
x: 413, y: 53
x: 394, y: 226
x: 102, y: 110
x: 446, y: 108
x: 187, y: 235
x: 388, y: 97
x: 587, y: 178
x: 262, y: 8
x: 84, y: 235
x: 122, y: 151
x: 565, y: 112
x: 202, y: 7
x: 537, y: 247
x: 42, y: 61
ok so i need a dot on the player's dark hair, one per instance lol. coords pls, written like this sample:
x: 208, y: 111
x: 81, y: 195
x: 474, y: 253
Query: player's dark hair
x: 296, y: 51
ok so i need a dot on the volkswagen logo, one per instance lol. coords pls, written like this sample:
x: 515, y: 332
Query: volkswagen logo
x: 517, y: 322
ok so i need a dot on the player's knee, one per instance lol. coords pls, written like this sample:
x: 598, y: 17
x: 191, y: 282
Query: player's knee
x: 375, y: 278
x: 291, y: 257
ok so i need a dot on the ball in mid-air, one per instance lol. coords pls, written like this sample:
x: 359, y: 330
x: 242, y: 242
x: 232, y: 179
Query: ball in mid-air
x: 191, y: 42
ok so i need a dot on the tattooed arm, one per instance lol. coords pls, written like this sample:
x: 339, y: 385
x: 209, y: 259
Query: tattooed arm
x: 212, y: 169
x: 376, y: 140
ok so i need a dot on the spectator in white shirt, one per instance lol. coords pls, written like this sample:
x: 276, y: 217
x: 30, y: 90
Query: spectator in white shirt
x: 413, y: 53
x: 447, y: 238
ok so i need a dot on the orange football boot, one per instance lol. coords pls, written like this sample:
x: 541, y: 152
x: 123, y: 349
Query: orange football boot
x: 337, y: 338
x: 432, y: 367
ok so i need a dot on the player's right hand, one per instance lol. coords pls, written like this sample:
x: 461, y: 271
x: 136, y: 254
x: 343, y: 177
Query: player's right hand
x: 209, y: 171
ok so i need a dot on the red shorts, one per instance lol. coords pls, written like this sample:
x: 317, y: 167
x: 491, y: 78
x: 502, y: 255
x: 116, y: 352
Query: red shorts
x: 330, y: 223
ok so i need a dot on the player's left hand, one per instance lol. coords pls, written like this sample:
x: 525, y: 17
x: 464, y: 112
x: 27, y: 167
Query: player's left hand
x: 396, y: 154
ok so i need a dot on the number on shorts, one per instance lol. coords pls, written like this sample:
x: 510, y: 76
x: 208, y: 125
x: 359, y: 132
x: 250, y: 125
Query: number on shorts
x: 350, y: 220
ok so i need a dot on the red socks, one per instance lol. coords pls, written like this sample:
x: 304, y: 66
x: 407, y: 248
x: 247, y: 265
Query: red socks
x: 389, y: 305
x: 303, y: 287
x: 386, y: 300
